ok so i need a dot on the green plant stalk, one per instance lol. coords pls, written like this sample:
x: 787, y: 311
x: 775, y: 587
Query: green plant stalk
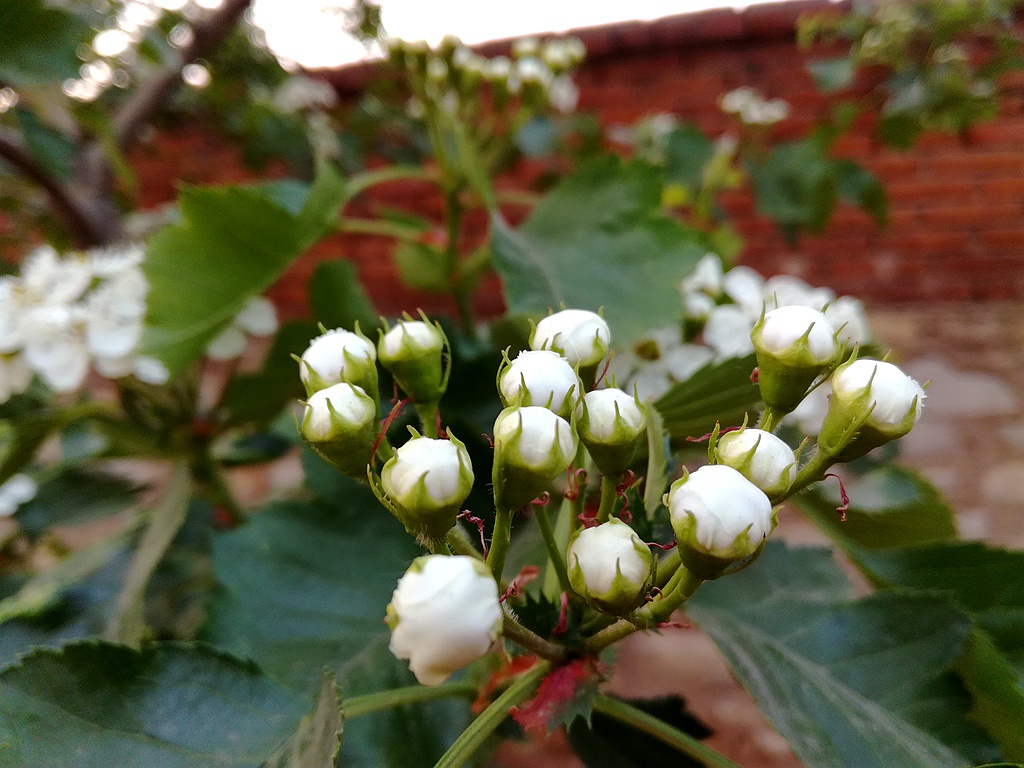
x: 608, y: 496
x: 813, y: 471
x: 379, y: 227
x: 677, y: 591
x: 662, y: 731
x: 531, y: 641
x: 555, y: 557
x: 209, y: 476
x: 397, y: 697
x: 476, y: 735
x: 667, y: 568
x: 501, y: 537
x: 579, y: 503
x: 363, y: 181
x: 459, y: 543
x: 428, y: 419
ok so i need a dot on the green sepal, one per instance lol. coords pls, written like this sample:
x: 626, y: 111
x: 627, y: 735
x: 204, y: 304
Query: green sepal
x: 421, y: 373
x: 624, y: 596
x: 785, y: 380
x: 349, y: 449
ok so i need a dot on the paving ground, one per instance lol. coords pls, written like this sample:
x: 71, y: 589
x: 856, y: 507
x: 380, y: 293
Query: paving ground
x: 970, y: 442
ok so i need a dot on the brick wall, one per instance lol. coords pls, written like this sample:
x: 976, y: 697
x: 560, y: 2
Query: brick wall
x: 957, y: 204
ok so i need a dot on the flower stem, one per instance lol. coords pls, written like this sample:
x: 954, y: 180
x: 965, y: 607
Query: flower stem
x: 555, y: 556
x: 531, y: 641
x: 608, y: 496
x: 476, y: 735
x: 396, y: 697
x: 428, y: 419
x: 679, y: 589
x: 662, y: 731
x: 500, y: 539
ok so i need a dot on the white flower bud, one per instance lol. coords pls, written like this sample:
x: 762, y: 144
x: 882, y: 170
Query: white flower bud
x: 540, y: 378
x: 444, y: 614
x: 613, y: 428
x: 580, y: 336
x: 872, y: 403
x: 761, y: 457
x: 718, y: 517
x: 427, y: 480
x: 532, y: 446
x: 413, y: 352
x: 795, y: 345
x: 339, y: 423
x: 610, y: 567
x: 339, y: 356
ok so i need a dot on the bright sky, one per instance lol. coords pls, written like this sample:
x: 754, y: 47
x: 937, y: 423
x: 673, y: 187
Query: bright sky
x: 303, y: 31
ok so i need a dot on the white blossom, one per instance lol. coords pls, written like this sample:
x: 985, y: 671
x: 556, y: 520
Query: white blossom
x: 444, y: 615
x: 727, y: 332
x: 17, y: 490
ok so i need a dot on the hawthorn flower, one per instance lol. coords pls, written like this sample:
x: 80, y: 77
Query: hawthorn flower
x: 15, y: 376
x: 427, y: 480
x: 613, y: 427
x: 610, y: 567
x: 540, y: 378
x: 532, y: 446
x: 761, y: 457
x: 794, y: 346
x: 339, y: 423
x: 339, y: 356
x: 580, y: 336
x: 718, y: 517
x: 413, y: 351
x: 444, y: 614
x: 873, y: 402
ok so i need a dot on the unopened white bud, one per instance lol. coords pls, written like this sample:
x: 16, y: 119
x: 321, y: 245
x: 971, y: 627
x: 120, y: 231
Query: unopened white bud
x: 413, y: 352
x: 613, y: 428
x: 761, y: 457
x: 444, y: 614
x: 339, y: 356
x: 532, y: 446
x: 540, y: 378
x: 339, y: 423
x: 795, y: 345
x: 427, y: 480
x: 610, y: 567
x: 580, y: 336
x: 718, y: 517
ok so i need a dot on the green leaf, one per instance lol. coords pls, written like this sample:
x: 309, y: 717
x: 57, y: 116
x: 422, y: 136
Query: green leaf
x: 305, y: 586
x: 608, y: 743
x: 54, y: 152
x: 720, y: 391
x: 75, y: 494
x: 687, y: 151
x: 598, y: 239
x: 795, y: 185
x: 38, y: 42
x: 422, y: 267
x: 998, y: 692
x: 821, y: 666
x: 231, y: 244
x: 316, y: 742
x: 337, y: 298
x: 257, y: 398
x: 96, y: 705
x: 890, y: 506
x: 860, y: 187
x: 832, y: 75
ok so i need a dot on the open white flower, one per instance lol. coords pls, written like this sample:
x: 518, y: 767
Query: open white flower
x: 257, y: 318
x: 443, y: 615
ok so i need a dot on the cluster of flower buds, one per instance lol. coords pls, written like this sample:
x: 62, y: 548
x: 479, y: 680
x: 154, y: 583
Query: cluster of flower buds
x: 61, y: 316
x: 751, y: 108
x: 539, y: 73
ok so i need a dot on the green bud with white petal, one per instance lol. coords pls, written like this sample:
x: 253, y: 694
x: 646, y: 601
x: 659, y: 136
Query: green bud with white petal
x: 610, y: 567
x: 540, y: 378
x: 582, y: 337
x: 532, y: 446
x: 340, y: 424
x: 794, y: 345
x: 339, y: 356
x: 427, y: 481
x: 613, y: 427
x: 415, y: 353
x: 872, y: 403
x: 761, y: 457
x: 719, y: 517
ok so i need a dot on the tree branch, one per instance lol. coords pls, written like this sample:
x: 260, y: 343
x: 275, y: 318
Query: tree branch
x: 152, y: 94
x: 73, y: 211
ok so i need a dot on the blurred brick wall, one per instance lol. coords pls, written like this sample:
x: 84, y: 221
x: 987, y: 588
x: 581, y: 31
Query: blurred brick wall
x: 957, y: 203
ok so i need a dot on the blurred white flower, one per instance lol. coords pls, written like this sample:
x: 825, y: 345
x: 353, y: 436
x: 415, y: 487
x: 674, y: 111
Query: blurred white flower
x: 301, y: 92
x: 257, y: 318
x: 16, y: 491
x: 727, y: 332
x: 563, y: 94
x: 15, y: 376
